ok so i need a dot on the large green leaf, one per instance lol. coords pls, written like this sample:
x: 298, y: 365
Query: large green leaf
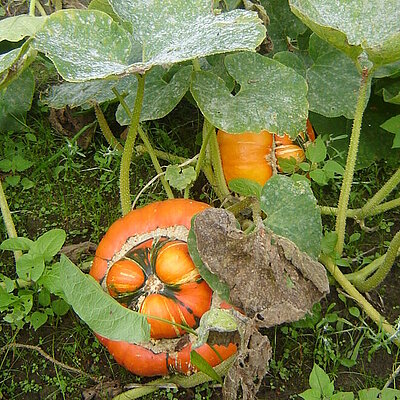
x: 16, y: 28
x: 284, y: 26
x: 292, y: 212
x: 355, y: 25
x: 88, y: 44
x: 271, y: 96
x: 15, y: 101
x: 76, y: 94
x: 98, y: 309
x: 174, y: 30
x: 160, y: 97
x: 84, y: 44
x: 333, y: 79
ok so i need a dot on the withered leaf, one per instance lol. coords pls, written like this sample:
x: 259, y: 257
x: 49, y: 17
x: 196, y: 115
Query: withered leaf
x: 269, y: 278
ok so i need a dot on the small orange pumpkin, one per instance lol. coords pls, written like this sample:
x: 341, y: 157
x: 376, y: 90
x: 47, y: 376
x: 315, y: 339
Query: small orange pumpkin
x: 247, y: 155
x: 144, y: 263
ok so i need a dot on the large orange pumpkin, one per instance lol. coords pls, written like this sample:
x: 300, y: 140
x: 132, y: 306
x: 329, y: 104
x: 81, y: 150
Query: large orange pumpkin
x: 143, y: 262
x: 248, y: 155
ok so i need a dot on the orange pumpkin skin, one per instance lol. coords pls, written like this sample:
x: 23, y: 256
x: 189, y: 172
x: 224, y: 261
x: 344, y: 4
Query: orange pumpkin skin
x: 245, y: 155
x: 159, y: 277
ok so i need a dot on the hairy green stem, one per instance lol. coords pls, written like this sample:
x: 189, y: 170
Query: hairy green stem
x: 361, y: 275
x: 7, y: 218
x: 379, y: 196
x: 152, y: 153
x: 163, y: 155
x: 217, y: 164
x: 373, y: 281
x: 129, y: 147
x: 154, y: 159
x: 105, y: 129
x: 32, y: 6
x: 357, y: 212
x: 360, y: 299
x: 351, y: 161
x: 180, y: 380
x: 207, y: 131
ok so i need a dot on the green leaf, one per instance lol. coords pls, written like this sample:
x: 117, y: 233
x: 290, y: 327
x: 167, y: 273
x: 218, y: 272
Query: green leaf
x: 74, y: 94
x: 390, y: 90
x: 51, y: 279
x: 84, y: 44
x: 38, y: 319
x: 311, y: 394
x: 212, y: 279
x: 355, y: 25
x: 160, y: 96
x: 320, y: 381
x: 292, y: 212
x: 13, y: 180
x: 284, y: 26
x: 180, y: 177
x: 27, y: 183
x: 44, y: 297
x: 60, y: 307
x: 392, y: 125
x: 316, y: 151
x: 258, y: 104
x: 332, y: 76
x: 20, y: 164
x: 88, y: 44
x: 50, y: 243
x: 203, y: 366
x: 16, y: 28
x: 30, y: 266
x: 8, y: 59
x: 18, y: 243
x: 369, y: 394
x: 172, y: 31
x: 98, y: 309
x: 342, y: 396
x: 328, y: 242
x: 6, y: 165
x: 15, y: 101
x: 319, y: 176
x: 354, y: 311
x: 245, y: 187
x: 390, y: 394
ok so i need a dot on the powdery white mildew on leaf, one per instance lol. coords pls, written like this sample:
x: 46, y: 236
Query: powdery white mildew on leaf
x: 74, y: 94
x: 271, y: 96
x: 160, y: 96
x: 333, y: 79
x: 284, y: 25
x: 16, y: 28
x: 355, y: 25
x: 171, y: 31
x: 84, y: 44
x: 88, y: 44
x: 292, y: 212
x: 98, y: 309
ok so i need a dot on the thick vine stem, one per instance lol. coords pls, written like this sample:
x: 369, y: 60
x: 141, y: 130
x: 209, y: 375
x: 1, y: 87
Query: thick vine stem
x: 373, y: 281
x: 180, y: 380
x: 32, y: 6
x: 380, y: 195
x: 105, y: 129
x: 129, y: 147
x: 217, y: 164
x: 351, y: 161
x: 361, y: 275
x: 360, y: 299
x: 147, y: 144
x: 7, y: 218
